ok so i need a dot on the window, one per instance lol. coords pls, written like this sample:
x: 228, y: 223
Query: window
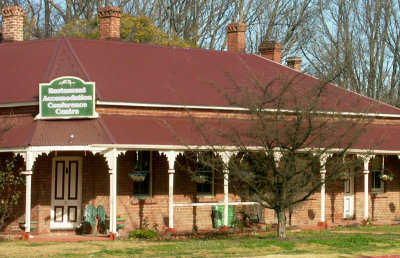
x: 142, y: 167
x: 203, y: 171
x: 377, y: 169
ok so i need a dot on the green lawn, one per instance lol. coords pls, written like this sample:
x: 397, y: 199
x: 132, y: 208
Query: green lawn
x: 342, y: 242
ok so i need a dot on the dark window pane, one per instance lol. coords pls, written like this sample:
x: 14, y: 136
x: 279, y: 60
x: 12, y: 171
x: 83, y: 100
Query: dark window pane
x: 145, y: 160
x: 376, y: 180
x: 205, y: 188
x: 142, y: 188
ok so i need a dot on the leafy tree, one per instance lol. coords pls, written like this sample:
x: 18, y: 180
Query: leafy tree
x: 11, y: 183
x: 139, y: 29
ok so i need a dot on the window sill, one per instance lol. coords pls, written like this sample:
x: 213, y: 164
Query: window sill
x: 142, y: 197
x: 377, y: 191
x: 205, y: 196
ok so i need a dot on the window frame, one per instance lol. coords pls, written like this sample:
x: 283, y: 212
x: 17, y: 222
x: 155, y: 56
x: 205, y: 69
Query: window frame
x: 150, y: 182
x: 205, y: 194
x: 380, y: 171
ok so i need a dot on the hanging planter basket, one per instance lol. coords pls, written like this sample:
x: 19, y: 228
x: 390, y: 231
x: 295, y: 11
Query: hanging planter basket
x: 137, y: 177
x: 344, y: 176
x: 199, y: 179
x: 386, y: 178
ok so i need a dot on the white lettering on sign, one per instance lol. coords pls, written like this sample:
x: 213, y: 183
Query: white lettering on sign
x: 67, y: 111
x: 66, y: 105
x: 63, y: 91
x: 67, y: 98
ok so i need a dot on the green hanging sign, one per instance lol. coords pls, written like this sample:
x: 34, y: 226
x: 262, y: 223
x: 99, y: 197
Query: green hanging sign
x: 65, y: 98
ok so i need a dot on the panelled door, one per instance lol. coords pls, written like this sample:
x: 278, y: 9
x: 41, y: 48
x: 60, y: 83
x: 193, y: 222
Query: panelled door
x: 66, y: 192
x: 348, y: 198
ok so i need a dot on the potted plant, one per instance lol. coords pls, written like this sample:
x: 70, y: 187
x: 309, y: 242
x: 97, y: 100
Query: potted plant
x: 120, y: 222
x: 344, y: 176
x: 199, y: 179
x: 366, y: 221
x: 138, y: 176
x: 386, y: 177
x: 22, y: 225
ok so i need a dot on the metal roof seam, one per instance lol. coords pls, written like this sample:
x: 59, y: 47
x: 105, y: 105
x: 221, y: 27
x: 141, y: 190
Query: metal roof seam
x: 106, y: 130
x: 29, y: 137
x: 51, y: 63
x: 88, y: 78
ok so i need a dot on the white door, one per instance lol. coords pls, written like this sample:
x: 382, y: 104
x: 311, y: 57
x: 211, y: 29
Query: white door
x: 66, y: 193
x: 349, y: 198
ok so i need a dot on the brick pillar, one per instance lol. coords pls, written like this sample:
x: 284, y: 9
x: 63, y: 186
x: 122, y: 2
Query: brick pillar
x: 294, y: 62
x: 110, y: 23
x: 13, y: 23
x: 236, y: 37
x: 271, y: 50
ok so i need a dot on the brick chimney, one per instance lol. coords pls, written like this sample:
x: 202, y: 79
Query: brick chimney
x: 236, y: 37
x: 294, y: 62
x: 271, y: 50
x: 110, y: 23
x: 13, y: 23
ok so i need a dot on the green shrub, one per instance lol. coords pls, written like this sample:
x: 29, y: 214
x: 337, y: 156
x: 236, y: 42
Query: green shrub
x: 143, y: 233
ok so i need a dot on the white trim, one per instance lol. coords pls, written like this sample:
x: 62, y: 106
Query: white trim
x: 19, y: 104
x: 212, y: 203
x: 225, y: 108
x: 100, y: 148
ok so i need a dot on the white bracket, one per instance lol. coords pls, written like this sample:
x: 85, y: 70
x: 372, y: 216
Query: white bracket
x: 226, y: 157
x: 277, y: 156
x: 30, y: 157
x: 171, y: 157
x: 110, y: 155
x: 366, y: 159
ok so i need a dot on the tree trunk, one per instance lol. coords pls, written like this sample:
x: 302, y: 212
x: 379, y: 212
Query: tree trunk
x: 281, y: 223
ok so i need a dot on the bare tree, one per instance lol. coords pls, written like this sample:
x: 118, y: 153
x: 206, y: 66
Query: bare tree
x: 360, y: 37
x: 282, y: 139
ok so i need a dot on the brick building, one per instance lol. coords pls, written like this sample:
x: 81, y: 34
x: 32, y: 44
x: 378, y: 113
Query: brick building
x: 140, y: 101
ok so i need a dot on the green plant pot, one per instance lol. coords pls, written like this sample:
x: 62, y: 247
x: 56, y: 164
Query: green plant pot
x: 22, y: 225
x: 120, y: 225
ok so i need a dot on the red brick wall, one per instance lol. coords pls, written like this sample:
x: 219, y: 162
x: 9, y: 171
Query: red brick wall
x: 95, y: 190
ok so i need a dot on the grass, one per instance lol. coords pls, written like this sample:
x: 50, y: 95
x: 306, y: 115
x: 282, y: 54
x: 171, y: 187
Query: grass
x: 354, y: 242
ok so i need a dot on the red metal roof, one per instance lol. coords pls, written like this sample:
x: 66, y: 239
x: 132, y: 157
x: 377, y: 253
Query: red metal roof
x: 58, y: 133
x: 160, y: 131
x: 184, y: 131
x: 21, y: 129
x: 151, y: 74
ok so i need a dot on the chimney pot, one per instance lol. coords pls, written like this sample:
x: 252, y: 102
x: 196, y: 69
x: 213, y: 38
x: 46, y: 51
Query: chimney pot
x: 236, y: 37
x: 13, y: 23
x: 294, y: 62
x: 271, y: 50
x: 110, y: 18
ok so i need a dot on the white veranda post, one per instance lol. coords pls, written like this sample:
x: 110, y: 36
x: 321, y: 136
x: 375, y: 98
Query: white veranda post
x: 366, y: 160
x: 29, y: 157
x: 28, y: 174
x: 225, y: 158
x: 323, y: 160
x: 171, y: 156
x: 111, y: 158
